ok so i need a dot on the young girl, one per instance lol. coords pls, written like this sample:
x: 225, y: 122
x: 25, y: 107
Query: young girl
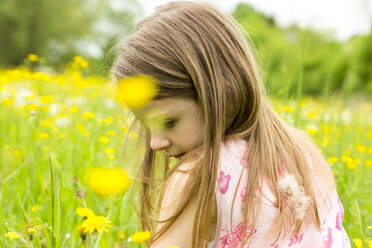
x: 244, y: 178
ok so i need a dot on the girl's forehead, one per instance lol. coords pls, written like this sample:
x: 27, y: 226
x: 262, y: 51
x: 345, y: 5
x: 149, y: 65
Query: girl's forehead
x: 165, y: 107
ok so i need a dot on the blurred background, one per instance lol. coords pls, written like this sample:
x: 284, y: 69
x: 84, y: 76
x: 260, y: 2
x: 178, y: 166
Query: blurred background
x: 326, y: 43
x: 68, y: 154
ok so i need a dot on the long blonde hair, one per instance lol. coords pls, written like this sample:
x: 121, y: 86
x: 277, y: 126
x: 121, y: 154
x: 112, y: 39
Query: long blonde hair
x: 194, y: 50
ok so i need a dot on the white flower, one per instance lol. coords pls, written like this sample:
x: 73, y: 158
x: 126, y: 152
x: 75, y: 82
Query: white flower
x: 289, y: 186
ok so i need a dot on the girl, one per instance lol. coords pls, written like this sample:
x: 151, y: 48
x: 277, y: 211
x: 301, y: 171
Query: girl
x: 244, y: 178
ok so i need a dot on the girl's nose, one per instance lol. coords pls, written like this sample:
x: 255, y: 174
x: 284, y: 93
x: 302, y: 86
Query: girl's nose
x: 159, y: 143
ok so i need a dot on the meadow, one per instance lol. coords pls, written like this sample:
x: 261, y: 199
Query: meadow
x: 65, y: 174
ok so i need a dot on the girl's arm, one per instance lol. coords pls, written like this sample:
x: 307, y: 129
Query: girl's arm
x: 180, y: 233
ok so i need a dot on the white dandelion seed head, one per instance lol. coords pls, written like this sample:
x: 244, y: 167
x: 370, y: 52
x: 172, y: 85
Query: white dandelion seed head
x: 289, y: 186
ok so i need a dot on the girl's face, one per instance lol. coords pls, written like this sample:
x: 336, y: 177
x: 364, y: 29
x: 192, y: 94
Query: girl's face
x: 176, y: 125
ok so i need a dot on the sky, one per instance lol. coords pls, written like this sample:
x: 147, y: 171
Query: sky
x: 345, y: 18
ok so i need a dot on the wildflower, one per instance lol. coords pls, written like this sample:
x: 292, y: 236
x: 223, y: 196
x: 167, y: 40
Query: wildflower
x: 136, y: 91
x: 312, y: 130
x: 74, y: 110
x: 369, y: 227
x: 289, y: 186
x: 112, y: 157
x: 88, y: 115
x: 84, y: 212
x: 7, y: 101
x: 46, y: 99
x: 332, y: 160
x: 32, y: 107
x: 310, y: 115
x: 170, y: 166
x: 95, y: 223
x: 358, y: 243
x: 111, y: 133
x: 124, y: 128
x: 140, y: 237
x: 36, y: 207
x: 11, y: 235
x: 107, y: 181
x: 31, y: 229
x: 368, y: 162
x: 6, y: 147
x: 109, y: 151
x: 32, y: 57
x: 44, y: 135
x: 104, y: 140
x: 288, y: 109
x: 361, y: 148
x: 108, y: 120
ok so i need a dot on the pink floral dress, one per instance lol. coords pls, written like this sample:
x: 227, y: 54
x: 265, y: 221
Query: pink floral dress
x: 230, y: 233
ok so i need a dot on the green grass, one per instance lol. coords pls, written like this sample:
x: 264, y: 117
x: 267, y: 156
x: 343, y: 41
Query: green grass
x: 42, y: 181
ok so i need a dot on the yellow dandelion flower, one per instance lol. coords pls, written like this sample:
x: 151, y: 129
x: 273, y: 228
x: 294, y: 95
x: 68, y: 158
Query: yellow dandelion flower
x: 136, y: 91
x: 12, y: 235
x: 140, y: 237
x: 111, y: 133
x: 310, y: 115
x: 332, y: 160
x: 41, y: 76
x: 351, y: 165
x: 84, y: 64
x: 312, y: 130
x: 124, y: 128
x: 107, y: 181
x: 358, y: 243
x: 7, y: 101
x: 6, y: 147
x: 104, y: 140
x: 32, y: 107
x: 95, y: 223
x: 46, y: 99
x: 361, y: 148
x: 35, y: 208
x: 368, y: 162
x: 108, y: 120
x: 44, y: 123
x: 370, y: 243
x: 84, y: 212
x: 370, y: 150
x: 33, y: 57
x: 288, y: 109
x: 109, y: 151
x: 44, y: 136
x: 88, y: 115
x: 74, y: 110
x: 112, y: 157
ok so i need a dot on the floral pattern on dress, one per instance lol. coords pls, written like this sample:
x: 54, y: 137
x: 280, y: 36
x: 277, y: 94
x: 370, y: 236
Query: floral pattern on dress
x: 231, y: 239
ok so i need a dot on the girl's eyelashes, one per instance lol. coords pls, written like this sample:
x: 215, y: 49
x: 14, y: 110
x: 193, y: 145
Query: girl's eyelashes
x: 170, y: 123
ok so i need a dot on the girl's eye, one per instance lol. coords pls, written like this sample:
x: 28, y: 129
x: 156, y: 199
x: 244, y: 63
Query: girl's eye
x: 169, y: 123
